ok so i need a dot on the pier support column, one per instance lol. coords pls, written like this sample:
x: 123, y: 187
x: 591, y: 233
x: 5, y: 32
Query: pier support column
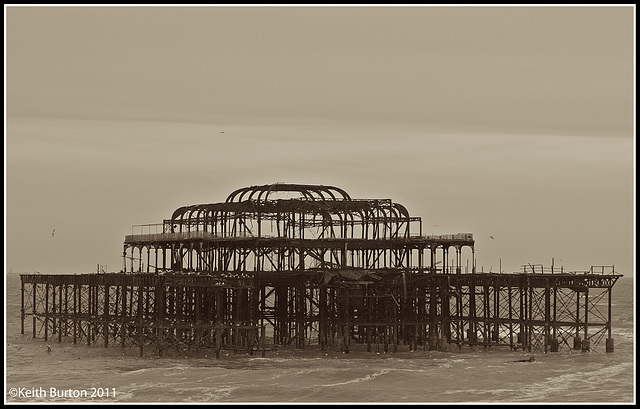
x: 160, y: 299
x: 609, y: 347
x: 46, y: 312
x: 586, y: 344
x: 577, y: 343
x: 22, y: 307
x: 33, y: 313
x: 140, y: 323
x: 433, y: 343
x: 219, y: 312
x: 105, y: 317
x: 442, y: 344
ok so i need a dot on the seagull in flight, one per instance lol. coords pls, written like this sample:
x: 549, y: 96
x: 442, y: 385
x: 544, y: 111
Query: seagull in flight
x: 53, y: 232
x: 491, y: 237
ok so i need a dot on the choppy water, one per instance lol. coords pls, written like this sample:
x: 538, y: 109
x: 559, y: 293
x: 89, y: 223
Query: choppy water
x: 319, y: 376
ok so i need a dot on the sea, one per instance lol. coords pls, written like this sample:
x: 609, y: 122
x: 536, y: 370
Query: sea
x: 94, y: 374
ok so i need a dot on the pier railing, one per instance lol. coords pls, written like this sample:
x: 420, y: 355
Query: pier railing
x: 541, y: 269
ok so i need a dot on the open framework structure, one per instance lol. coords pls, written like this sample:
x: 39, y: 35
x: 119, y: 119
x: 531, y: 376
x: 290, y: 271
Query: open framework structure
x: 299, y: 265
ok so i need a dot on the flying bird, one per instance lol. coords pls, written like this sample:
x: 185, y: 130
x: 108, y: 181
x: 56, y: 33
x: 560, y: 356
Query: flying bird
x: 53, y: 232
x: 491, y: 237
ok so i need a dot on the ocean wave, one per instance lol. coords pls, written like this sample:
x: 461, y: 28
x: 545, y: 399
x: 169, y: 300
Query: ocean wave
x: 123, y: 396
x: 582, y: 384
x: 365, y: 378
x: 137, y: 371
x: 211, y: 394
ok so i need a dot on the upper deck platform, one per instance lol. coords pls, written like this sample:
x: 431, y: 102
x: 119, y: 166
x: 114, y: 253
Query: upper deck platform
x: 249, y: 240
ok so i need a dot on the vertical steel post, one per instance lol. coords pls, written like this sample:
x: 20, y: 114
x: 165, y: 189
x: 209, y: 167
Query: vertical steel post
x: 198, y: 319
x: 577, y: 342
x: 510, y: 318
x: 21, y: 306
x: 160, y: 309
x: 609, y: 342
x: 105, y: 314
x: 547, y: 314
x: 140, y: 316
x: 33, y: 315
x: 123, y: 312
x: 530, y: 317
x: 53, y: 306
x: 75, y: 309
x: 219, y: 313
x: 46, y: 311
x: 585, y: 342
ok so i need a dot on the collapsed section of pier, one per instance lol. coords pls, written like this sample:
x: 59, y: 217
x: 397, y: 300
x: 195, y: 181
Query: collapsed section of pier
x: 298, y: 265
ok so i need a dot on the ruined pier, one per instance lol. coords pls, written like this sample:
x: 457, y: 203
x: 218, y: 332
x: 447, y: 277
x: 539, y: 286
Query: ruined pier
x: 304, y: 265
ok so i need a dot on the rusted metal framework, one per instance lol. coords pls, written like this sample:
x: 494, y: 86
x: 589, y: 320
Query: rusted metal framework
x: 257, y: 230
x: 179, y: 313
x: 294, y: 265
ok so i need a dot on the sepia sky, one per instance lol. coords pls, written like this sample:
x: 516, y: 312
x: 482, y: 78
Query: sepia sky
x: 511, y: 122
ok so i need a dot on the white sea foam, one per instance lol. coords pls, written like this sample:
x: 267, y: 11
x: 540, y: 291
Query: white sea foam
x: 580, y: 381
x: 358, y: 380
x: 213, y: 393
x: 285, y: 373
x: 136, y: 371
